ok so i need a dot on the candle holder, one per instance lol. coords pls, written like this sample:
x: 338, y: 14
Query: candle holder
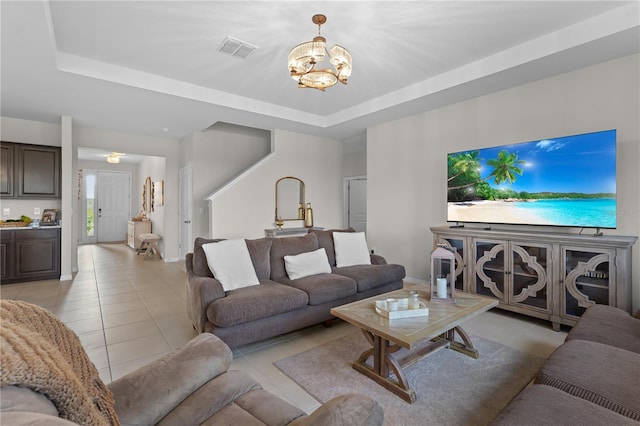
x: 279, y: 222
x: 443, y: 274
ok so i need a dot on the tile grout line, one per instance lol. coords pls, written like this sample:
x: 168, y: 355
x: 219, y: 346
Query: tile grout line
x: 104, y: 334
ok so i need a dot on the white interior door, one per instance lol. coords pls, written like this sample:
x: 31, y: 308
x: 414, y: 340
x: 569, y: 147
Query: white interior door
x: 113, y: 205
x: 185, y: 211
x: 356, y: 203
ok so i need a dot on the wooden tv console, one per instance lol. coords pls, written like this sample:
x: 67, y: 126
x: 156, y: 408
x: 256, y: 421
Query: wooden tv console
x: 553, y: 276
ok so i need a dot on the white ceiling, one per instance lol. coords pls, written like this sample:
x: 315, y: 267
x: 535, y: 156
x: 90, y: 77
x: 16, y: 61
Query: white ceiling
x: 151, y: 67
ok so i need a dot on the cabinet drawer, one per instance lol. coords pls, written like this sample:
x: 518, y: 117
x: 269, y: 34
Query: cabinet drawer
x: 34, y: 234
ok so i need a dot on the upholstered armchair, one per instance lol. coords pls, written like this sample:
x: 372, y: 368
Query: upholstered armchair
x: 48, y: 379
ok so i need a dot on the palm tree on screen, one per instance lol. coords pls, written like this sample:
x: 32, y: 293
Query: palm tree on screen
x: 505, y: 167
x: 465, y: 163
x: 464, y: 179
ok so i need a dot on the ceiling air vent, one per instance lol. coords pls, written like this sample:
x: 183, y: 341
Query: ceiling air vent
x: 234, y: 47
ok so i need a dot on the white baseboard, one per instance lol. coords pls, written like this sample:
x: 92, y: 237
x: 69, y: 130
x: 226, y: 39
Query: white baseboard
x: 67, y: 277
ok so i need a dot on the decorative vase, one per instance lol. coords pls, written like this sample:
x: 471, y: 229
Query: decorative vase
x: 300, y: 211
x: 308, y: 217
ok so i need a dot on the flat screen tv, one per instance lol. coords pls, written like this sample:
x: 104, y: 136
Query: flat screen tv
x: 564, y: 181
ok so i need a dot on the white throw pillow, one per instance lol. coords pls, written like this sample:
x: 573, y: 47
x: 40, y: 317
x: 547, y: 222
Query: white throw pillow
x: 305, y: 264
x: 230, y: 262
x: 351, y: 249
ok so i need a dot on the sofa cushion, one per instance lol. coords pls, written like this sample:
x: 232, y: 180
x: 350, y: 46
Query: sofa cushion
x: 268, y: 408
x: 351, y: 249
x: 200, y: 266
x: 325, y: 288
x: 256, y: 302
x: 306, y: 264
x: 325, y: 240
x: 608, y: 325
x: 259, y: 250
x: 16, y: 398
x: 602, y: 374
x: 369, y: 277
x: 207, y: 404
x: 230, y: 262
x: 290, y: 246
x: 544, y: 405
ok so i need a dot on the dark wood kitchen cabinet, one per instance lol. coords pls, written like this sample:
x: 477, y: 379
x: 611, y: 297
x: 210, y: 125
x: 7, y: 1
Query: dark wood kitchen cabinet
x: 29, y: 255
x: 7, y: 154
x: 30, y: 171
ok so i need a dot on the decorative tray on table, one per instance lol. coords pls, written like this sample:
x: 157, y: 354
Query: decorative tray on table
x: 403, y: 310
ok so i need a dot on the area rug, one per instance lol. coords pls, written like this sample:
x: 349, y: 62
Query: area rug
x: 451, y: 388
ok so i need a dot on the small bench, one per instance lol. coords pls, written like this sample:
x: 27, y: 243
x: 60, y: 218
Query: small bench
x: 149, y: 243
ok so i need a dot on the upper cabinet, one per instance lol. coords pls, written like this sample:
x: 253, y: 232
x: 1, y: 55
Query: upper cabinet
x: 30, y: 171
x: 7, y: 155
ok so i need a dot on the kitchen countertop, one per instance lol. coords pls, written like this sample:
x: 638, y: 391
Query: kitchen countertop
x: 21, y: 228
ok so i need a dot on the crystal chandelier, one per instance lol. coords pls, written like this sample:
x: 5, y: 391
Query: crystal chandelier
x: 304, y: 57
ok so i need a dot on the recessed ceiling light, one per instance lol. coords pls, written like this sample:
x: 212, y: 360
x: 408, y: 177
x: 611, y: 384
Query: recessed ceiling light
x: 164, y: 129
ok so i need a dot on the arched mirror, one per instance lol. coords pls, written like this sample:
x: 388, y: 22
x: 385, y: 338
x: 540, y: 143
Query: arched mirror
x: 289, y: 199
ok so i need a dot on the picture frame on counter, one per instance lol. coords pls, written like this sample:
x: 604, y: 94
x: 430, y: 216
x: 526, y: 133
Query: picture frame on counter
x: 49, y: 217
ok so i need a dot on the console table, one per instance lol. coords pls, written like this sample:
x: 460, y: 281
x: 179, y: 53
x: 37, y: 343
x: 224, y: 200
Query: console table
x: 553, y: 276
x: 135, y: 228
x: 288, y: 232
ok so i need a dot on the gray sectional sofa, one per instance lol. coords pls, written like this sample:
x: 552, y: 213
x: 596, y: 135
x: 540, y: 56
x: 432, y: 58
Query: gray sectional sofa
x: 591, y: 379
x: 278, y: 304
x: 48, y: 379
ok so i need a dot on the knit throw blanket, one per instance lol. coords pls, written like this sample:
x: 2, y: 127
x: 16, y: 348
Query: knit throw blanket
x: 38, y: 352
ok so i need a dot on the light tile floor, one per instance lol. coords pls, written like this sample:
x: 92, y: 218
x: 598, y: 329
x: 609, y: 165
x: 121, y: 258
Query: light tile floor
x: 128, y: 312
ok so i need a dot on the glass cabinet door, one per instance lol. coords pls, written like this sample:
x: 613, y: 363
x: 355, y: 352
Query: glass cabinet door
x: 587, y: 278
x: 490, y: 268
x: 456, y: 245
x: 530, y: 271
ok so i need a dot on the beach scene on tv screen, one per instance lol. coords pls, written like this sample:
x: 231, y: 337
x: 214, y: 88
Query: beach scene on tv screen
x: 564, y: 181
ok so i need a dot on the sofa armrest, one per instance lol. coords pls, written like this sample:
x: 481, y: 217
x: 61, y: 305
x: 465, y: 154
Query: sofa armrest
x: 146, y: 395
x: 201, y: 292
x: 344, y: 410
x: 29, y: 418
x: 376, y: 259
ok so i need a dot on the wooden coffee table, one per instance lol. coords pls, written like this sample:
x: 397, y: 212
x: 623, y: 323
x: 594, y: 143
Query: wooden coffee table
x: 388, y: 336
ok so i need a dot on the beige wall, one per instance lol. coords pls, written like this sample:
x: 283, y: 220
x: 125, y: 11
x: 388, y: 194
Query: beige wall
x: 155, y: 168
x: 355, y: 163
x: 406, y: 178
x: 246, y: 209
x: 219, y: 154
x: 27, y: 131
